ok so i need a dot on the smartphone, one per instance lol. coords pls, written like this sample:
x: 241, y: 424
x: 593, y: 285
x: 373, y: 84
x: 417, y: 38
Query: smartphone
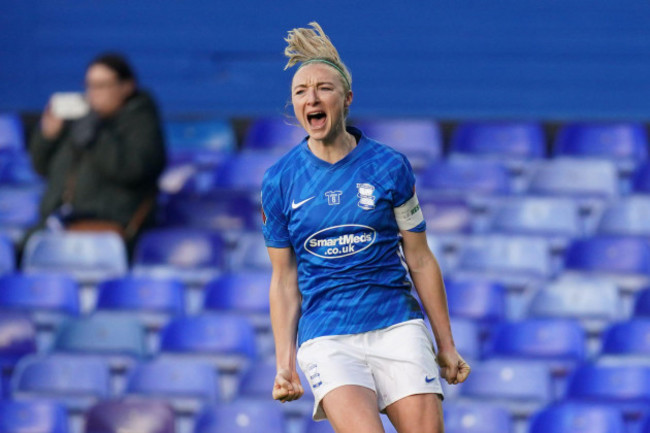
x: 69, y: 105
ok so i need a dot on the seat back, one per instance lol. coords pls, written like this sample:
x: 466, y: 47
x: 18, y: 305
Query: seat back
x: 33, y: 417
x: 250, y: 416
x: 143, y: 416
x: 49, y: 292
x: 624, y: 255
x: 574, y: 417
x: 520, y: 140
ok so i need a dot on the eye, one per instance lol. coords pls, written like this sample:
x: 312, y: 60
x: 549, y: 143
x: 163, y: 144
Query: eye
x: 299, y: 92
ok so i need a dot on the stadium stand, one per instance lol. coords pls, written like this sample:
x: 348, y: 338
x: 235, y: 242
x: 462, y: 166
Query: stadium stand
x: 476, y: 417
x: 33, y: 416
x: 274, y: 135
x: 122, y: 415
x: 239, y: 416
x: 573, y: 417
x: 626, y: 217
x: 627, y: 339
x: 18, y: 340
x: 18, y: 211
x: 11, y: 133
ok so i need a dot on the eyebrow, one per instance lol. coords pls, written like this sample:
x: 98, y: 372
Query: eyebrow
x: 331, y: 83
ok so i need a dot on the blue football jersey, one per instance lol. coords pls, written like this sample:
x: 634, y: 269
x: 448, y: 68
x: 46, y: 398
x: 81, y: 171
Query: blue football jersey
x: 341, y: 221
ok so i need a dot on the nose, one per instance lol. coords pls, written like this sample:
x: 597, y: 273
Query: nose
x: 312, y: 95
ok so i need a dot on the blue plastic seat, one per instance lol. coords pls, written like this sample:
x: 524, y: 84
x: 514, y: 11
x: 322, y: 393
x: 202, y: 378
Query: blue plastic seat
x: 226, y: 339
x: 32, y: 417
x: 520, y: 386
x: 243, y: 172
x: 325, y: 427
x: 464, y: 178
x: 19, y: 210
x: 194, y: 256
x: 219, y: 210
x: 629, y: 216
x: 11, y: 133
x: 119, y: 339
x: 17, y: 339
x: 466, y: 336
x: 645, y: 426
x: 476, y: 417
x: 88, y: 257
x: 623, y: 385
x: 621, y: 142
x: 447, y: 216
x: 143, y: 416
x: 545, y: 216
x: 7, y: 256
x: 496, y: 255
x: 642, y: 303
x: 200, y: 140
x: 419, y: 139
x: 575, y: 178
x: 542, y: 339
x: 476, y: 299
x: 593, y: 301
x: 275, y: 135
x: 187, y: 385
x: 244, y: 292
x: 249, y: 253
x: 641, y: 179
x: 631, y: 338
x: 574, y: 417
x: 249, y: 416
x: 56, y: 293
x: 16, y: 170
x: 515, y: 140
x: 76, y: 382
x: 141, y: 294
x: 609, y: 254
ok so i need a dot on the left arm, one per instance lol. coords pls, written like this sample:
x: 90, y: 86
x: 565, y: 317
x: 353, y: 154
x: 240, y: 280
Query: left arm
x: 430, y: 287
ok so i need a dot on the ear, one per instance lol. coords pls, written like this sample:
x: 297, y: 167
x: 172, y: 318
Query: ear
x: 348, y: 99
x: 128, y: 87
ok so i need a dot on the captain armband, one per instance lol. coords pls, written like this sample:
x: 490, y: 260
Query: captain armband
x: 409, y: 215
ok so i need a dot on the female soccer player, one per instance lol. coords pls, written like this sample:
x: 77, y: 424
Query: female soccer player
x: 335, y: 210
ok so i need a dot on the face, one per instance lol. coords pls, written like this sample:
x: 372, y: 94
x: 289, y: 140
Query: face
x: 104, y: 91
x: 320, y: 101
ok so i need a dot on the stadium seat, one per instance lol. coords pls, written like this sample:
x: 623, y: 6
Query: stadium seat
x: 622, y: 385
x: 249, y: 253
x: 242, y: 416
x: 76, y: 382
x: 625, y: 260
x: 505, y: 140
x: 554, y: 217
x: 629, y: 338
x: 274, y: 135
x: 243, y: 172
x: 574, y: 417
x: 226, y: 339
x: 18, y: 211
x: 32, y: 417
x: 185, y: 384
x: 120, y: 340
x: 594, y: 302
x: 17, y: 340
x: 11, y: 133
x: 642, y: 303
x: 645, y: 427
x: 125, y: 415
x: 624, y: 143
x: 419, y: 139
x: 447, y: 216
x: 476, y: 417
x: 243, y: 292
x: 573, y: 177
x: 194, y: 256
x: 466, y: 336
x: 464, y: 179
x: 7, y: 256
x: 224, y: 211
x: 88, y: 257
x: 153, y: 301
x: 325, y: 427
x: 480, y: 300
x: 629, y: 216
x: 520, y: 386
x: 200, y: 141
x: 56, y: 294
x: 641, y: 179
x: 16, y: 170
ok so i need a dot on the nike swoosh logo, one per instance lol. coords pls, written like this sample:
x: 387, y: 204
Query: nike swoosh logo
x: 295, y: 205
x: 427, y: 380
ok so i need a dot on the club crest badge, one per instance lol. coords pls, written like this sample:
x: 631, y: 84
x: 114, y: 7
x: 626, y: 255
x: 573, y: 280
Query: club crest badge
x: 366, y: 197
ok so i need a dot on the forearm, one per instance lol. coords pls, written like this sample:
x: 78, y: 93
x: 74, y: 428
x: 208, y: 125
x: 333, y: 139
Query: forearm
x: 285, y: 312
x: 427, y: 277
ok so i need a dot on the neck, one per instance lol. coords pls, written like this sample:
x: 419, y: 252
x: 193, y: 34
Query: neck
x: 333, y: 149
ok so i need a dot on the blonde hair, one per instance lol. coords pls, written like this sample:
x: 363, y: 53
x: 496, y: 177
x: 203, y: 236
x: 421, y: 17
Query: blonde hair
x: 306, y: 45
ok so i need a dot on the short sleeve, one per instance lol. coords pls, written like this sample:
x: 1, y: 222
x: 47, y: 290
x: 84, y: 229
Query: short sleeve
x: 274, y: 221
x: 408, y: 213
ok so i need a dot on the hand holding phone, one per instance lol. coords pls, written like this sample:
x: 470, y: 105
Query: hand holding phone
x: 69, y: 105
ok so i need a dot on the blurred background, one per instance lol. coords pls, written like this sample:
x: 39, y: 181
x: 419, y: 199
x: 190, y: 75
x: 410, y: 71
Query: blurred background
x: 526, y: 123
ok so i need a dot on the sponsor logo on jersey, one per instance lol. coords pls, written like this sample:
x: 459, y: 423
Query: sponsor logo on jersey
x: 340, y: 241
x: 333, y: 197
x: 366, y: 197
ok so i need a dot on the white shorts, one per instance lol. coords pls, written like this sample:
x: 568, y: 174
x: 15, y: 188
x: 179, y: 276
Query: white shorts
x: 394, y: 362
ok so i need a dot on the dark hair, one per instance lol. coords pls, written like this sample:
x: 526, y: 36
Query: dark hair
x: 117, y: 63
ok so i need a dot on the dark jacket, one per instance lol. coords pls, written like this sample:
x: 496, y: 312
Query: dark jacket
x: 113, y: 174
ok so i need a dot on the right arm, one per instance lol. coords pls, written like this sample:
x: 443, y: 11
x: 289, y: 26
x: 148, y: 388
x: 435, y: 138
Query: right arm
x: 285, y: 311
x: 45, y: 140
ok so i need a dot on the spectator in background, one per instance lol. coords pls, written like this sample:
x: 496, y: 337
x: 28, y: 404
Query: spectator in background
x: 102, y: 169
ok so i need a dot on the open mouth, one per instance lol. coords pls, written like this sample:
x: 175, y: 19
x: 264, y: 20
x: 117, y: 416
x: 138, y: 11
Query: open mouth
x: 317, y: 119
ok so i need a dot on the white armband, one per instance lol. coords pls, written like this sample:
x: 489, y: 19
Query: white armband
x: 409, y: 215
